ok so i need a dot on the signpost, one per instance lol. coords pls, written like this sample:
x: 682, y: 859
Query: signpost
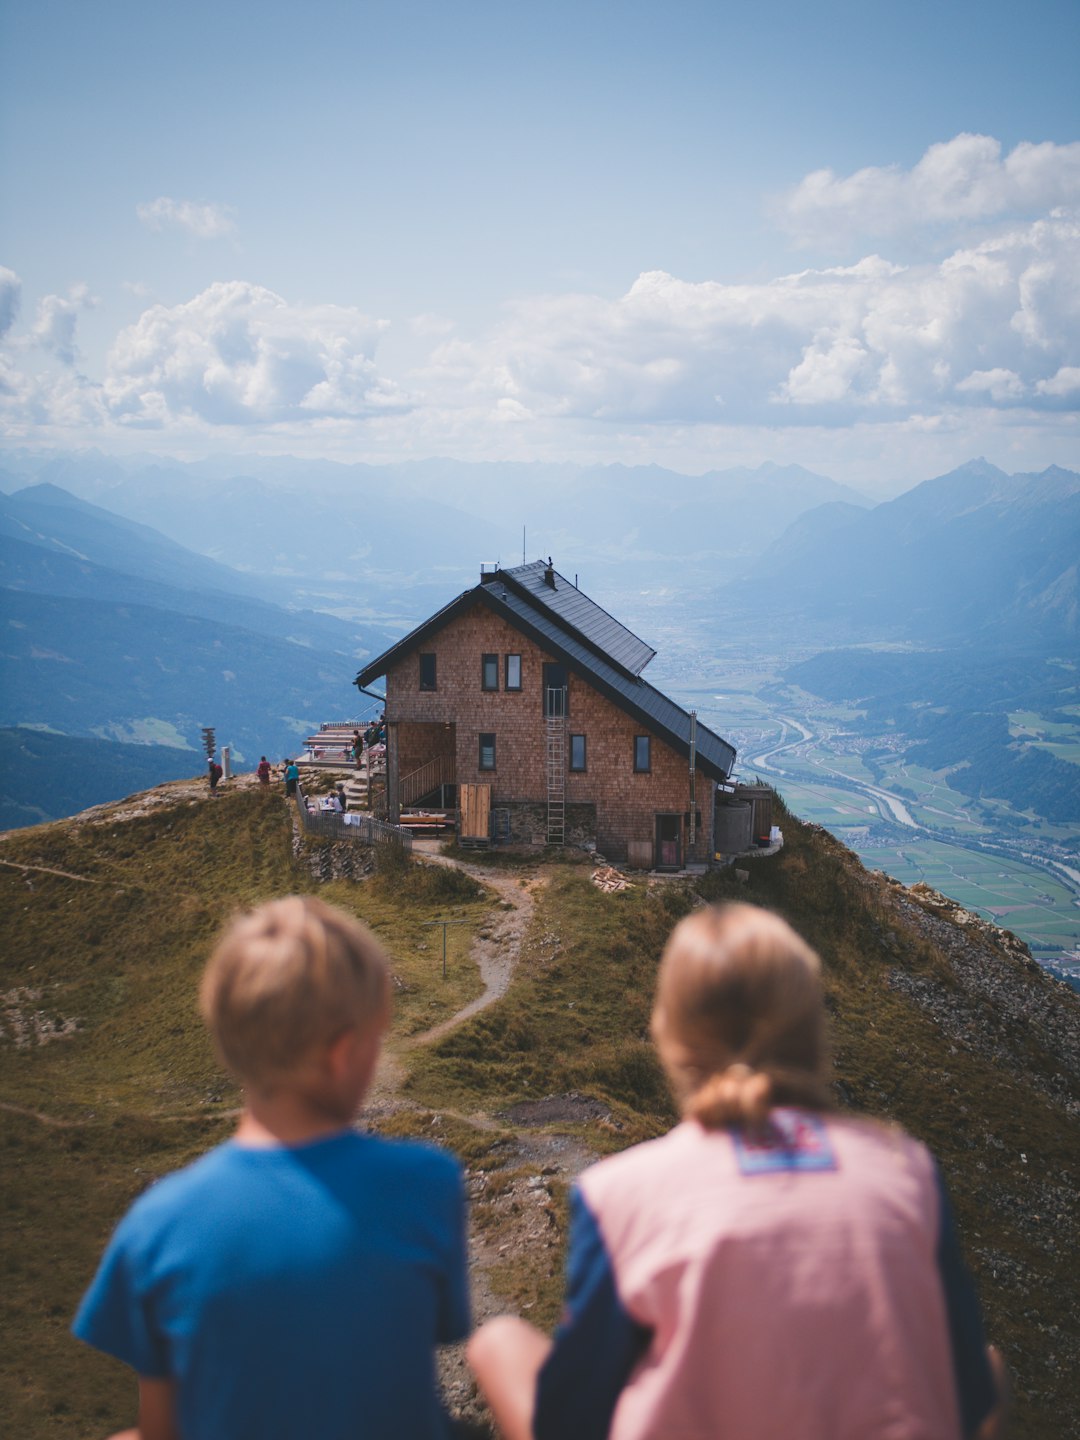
x: 444, y: 924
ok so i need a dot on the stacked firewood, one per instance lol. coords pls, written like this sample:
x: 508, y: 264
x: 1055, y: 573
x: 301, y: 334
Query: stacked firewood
x: 608, y: 879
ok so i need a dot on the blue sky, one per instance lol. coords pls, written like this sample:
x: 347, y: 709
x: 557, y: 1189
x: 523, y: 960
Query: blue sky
x: 698, y: 234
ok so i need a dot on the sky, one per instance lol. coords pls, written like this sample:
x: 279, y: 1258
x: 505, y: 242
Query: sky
x: 698, y: 235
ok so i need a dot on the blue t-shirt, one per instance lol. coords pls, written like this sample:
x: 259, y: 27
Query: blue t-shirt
x: 291, y: 1292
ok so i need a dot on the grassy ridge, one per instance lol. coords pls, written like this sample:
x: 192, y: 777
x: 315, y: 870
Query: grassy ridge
x: 132, y: 1090
x: 576, y: 1019
x: 135, y: 1090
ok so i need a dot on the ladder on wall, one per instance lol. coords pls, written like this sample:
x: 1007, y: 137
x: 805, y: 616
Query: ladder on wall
x: 556, y: 766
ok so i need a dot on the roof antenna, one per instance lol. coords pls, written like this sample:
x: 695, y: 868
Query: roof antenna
x: 523, y: 544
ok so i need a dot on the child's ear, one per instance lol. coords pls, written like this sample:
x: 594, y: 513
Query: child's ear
x: 339, y: 1053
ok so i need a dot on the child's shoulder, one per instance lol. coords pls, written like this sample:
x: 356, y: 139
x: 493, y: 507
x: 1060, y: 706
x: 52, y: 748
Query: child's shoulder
x: 415, y: 1157
x: 231, y: 1177
x: 184, y: 1186
x: 659, y: 1167
x: 626, y: 1169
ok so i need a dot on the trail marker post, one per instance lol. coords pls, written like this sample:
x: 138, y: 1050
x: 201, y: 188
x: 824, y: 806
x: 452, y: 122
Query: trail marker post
x: 444, y: 924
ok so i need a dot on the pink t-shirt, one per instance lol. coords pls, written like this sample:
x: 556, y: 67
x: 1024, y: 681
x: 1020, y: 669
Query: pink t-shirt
x: 792, y: 1292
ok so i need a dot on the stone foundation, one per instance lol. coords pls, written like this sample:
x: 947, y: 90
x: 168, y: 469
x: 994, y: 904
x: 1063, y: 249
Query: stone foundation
x: 528, y: 822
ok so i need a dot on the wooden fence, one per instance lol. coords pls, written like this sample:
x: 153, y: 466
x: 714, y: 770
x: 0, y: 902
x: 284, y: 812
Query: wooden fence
x: 351, y: 825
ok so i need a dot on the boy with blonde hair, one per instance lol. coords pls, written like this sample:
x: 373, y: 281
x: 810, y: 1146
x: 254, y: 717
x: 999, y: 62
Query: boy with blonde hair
x: 295, y: 1281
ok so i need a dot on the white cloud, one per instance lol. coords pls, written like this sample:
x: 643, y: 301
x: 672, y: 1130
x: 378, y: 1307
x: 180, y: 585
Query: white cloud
x: 963, y: 180
x: 10, y: 296
x: 990, y: 324
x: 430, y: 326
x: 204, y: 221
x: 999, y: 384
x: 237, y: 354
x: 987, y: 334
x: 1065, y: 382
x: 57, y: 317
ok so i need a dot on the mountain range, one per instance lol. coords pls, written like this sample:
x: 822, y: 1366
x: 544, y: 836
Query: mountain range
x: 972, y: 554
x: 115, y: 632
x: 165, y: 596
x: 407, y: 536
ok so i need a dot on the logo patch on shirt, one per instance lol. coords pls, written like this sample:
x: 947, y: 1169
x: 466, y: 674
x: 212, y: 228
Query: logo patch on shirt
x: 792, y: 1140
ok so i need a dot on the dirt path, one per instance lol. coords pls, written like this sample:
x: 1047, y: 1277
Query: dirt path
x: 48, y: 870
x: 496, y: 955
x: 512, y: 1208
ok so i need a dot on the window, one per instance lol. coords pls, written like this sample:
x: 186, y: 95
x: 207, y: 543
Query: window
x: 555, y: 690
x: 642, y: 752
x: 487, y: 751
x: 513, y: 672
x: 427, y: 672
x: 577, y: 752
x: 489, y: 672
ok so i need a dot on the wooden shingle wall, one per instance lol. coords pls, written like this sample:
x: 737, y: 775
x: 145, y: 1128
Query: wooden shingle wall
x: 626, y: 802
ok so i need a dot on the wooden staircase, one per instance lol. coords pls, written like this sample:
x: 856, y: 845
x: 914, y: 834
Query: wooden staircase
x: 432, y: 775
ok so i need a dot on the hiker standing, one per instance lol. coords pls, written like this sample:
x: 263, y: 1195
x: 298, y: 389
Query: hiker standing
x: 263, y: 772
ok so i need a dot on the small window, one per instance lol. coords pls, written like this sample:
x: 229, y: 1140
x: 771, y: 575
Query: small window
x: 642, y: 752
x: 489, y: 672
x: 427, y: 672
x: 513, y: 672
x: 487, y: 752
x: 577, y: 752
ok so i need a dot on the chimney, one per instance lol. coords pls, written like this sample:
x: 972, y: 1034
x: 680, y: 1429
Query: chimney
x: 549, y: 574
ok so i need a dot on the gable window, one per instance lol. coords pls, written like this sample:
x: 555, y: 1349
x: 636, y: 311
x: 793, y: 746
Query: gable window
x: 427, y: 672
x: 487, y: 751
x: 489, y: 672
x: 642, y: 752
x: 513, y: 672
x: 577, y: 752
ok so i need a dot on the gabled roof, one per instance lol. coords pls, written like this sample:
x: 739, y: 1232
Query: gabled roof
x: 549, y: 626
x: 546, y: 587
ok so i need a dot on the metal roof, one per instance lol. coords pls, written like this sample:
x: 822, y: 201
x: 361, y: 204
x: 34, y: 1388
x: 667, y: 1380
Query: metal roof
x: 503, y: 592
x: 546, y: 587
x: 630, y: 693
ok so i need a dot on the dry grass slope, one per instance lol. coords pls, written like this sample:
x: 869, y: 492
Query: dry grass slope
x: 107, y: 1081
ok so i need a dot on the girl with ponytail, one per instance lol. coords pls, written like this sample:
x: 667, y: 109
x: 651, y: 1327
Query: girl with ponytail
x: 767, y: 1269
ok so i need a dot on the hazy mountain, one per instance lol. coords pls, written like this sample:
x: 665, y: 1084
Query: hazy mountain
x: 40, y: 570
x: 46, y: 777
x: 93, y: 650
x: 53, y: 519
x: 358, y: 542
x: 406, y: 537
x: 972, y: 553
x: 133, y: 672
